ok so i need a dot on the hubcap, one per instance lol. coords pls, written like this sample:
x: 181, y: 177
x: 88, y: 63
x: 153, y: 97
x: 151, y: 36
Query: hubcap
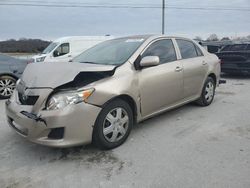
x: 7, y: 87
x: 115, y: 125
x: 209, y: 91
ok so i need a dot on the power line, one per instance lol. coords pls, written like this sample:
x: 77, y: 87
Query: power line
x: 146, y: 5
x: 76, y: 6
x: 123, y: 6
x: 82, y: 3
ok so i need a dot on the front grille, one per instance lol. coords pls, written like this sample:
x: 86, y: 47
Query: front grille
x: 27, y: 100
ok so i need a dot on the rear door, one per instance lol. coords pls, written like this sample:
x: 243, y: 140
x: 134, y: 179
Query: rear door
x: 162, y: 85
x: 195, y: 67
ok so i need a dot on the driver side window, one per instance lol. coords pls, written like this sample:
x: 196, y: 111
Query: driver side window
x: 61, y: 50
x: 164, y: 49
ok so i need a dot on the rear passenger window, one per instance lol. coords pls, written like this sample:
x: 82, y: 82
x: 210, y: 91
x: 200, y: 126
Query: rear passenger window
x: 198, y: 50
x: 164, y: 49
x: 187, y: 49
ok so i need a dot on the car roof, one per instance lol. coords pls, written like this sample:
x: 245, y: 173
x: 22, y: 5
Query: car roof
x: 75, y: 38
x: 151, y: 36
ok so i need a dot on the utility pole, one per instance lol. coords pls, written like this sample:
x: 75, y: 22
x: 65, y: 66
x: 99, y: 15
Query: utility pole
x: 163, y: 17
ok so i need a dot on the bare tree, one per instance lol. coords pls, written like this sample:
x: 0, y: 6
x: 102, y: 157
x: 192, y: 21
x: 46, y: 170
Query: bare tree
x: 198, y: 38
x: 225, y: 38
x: 213, y: 37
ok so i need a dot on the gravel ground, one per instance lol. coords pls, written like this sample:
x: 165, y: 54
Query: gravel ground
x: 187, y: 147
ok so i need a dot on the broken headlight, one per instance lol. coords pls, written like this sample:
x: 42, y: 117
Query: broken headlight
x: 63, y: 99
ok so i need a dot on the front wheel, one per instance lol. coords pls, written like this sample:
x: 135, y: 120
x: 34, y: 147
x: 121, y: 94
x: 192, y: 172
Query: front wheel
x: 7, y: 86
x: 113, y: 125
x: 208, y: 92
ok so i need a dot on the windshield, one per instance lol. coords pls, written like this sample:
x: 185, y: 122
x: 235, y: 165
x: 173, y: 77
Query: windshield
x: 112, y: 52
x: 50, y: 48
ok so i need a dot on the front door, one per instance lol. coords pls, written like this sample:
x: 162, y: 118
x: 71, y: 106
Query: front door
x: 61, y: 53
x: 160, y: 86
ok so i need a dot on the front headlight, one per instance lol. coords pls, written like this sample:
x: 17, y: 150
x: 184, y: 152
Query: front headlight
x: 63, y: 99
x: 40, y: 59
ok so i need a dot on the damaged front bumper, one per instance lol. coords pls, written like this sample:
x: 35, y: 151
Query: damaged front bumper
x: 66, y: 127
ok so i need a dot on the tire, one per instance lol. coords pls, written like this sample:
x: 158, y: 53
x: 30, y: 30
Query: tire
x: 113, y: 125
x: 208, y: 92
x: 7, y: 86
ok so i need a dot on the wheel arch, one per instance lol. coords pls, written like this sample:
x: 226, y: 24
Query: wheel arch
x: 213, y: 76
x: 131, y: 102
x: 9, y: 74
x: 97, y: 139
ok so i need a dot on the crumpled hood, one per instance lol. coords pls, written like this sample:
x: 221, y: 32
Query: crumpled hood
x: 52, y: 75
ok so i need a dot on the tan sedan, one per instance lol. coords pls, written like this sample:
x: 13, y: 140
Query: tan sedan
x: 108, y: 88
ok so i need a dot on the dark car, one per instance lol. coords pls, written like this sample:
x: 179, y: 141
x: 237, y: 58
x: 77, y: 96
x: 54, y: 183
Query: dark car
x: 235, y: 59
x: 10, y: 70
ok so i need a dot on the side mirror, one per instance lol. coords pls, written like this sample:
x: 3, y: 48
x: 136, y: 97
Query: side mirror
x: 150, y: 61
x: 56, y: 53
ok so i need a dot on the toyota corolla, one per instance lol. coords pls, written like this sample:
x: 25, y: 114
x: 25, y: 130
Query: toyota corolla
x: 110, y: 87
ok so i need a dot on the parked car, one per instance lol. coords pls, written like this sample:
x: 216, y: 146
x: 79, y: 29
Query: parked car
x: 10, y: 70
x: 235, y: 59
x: 108, y: 88
x: 215, y: 46
x: 66, y: 48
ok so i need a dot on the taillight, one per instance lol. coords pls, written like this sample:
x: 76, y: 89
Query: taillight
x: 221, y: 61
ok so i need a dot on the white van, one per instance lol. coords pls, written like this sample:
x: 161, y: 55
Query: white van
x: 66, y: 48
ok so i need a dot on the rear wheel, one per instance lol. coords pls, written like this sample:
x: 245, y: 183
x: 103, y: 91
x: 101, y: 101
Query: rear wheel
x: 208, y: 92
x: 7, y: 86
x: 113, y: 125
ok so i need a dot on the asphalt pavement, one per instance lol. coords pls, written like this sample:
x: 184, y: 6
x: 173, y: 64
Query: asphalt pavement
x: 191, y: 147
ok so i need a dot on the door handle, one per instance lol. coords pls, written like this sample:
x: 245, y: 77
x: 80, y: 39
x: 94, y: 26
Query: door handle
x: 178, y: 69
x: 204, y: 62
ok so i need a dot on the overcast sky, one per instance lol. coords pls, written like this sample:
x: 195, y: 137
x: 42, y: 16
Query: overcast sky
x: 53, y: 22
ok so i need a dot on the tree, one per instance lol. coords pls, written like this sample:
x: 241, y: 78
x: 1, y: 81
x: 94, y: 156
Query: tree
x: 198, y: 38
x: 213, y: 37
x: 23, y: 39
x: 225, y: 38
x: 23, y: 45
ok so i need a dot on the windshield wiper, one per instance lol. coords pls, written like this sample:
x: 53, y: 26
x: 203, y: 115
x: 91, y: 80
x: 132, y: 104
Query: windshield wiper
x: 89, y: 62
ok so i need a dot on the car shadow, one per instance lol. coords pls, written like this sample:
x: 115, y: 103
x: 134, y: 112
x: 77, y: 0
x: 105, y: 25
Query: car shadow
x: 38, y: 154
x: 236, y: 76
x: 164, y: 116
x: 88, y: 154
